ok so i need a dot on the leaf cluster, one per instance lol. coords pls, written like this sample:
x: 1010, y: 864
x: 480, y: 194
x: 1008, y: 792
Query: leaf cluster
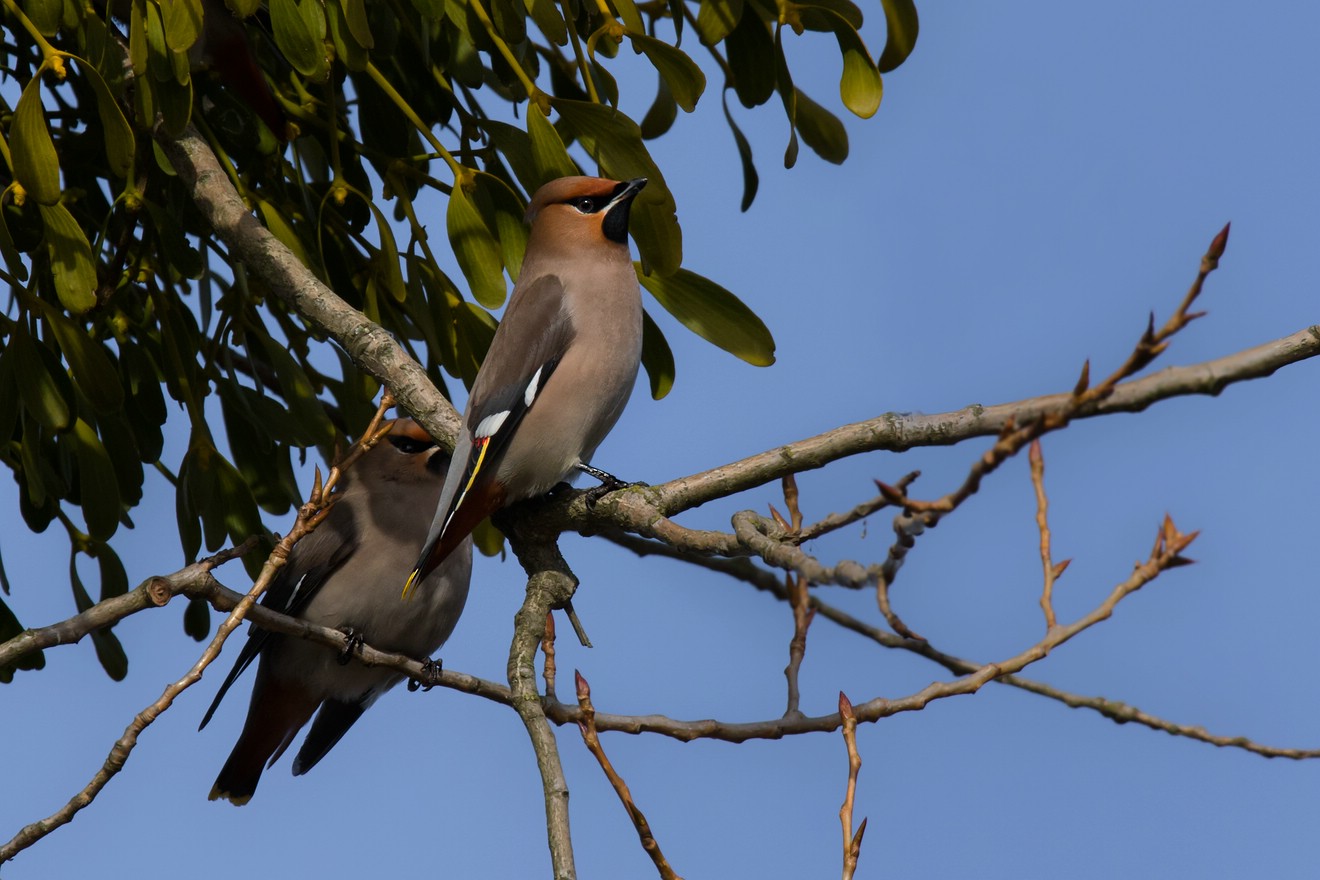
x: 336, y: 120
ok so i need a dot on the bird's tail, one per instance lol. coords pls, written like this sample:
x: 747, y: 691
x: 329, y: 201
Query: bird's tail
x: 276, y: 715
x: 484, y: 499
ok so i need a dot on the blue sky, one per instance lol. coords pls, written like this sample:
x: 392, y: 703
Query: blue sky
x: 1039, y: 177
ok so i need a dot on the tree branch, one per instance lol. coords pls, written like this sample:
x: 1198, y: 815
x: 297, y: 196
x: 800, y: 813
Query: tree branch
x: 370, y: 346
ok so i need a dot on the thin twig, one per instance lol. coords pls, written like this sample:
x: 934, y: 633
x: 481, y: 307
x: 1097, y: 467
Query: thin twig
x: 587, y: 724
x: 1051, y: 570
x: 852, y: 843
x: 796, y: 587
x: 1119, y: 712
x: 1166, y: 554
x: 310, y: 516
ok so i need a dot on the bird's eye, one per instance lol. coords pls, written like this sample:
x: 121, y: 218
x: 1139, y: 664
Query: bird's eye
x: 410, y: 445
x: 585, y: 205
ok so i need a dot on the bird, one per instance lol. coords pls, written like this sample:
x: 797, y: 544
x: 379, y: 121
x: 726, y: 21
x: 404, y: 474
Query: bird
x: 345, y: 575
x: 559, y: 369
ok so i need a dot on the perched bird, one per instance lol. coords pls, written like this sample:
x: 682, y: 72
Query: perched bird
x: 345, y: 575
x: 560, y: 368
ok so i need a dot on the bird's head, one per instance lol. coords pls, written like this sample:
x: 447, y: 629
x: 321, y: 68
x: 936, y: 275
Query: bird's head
x: 583, y: 210
x: 406, y: 454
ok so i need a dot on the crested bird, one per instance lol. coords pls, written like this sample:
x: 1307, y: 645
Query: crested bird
x: 345, y: 575
x: 560, y: 368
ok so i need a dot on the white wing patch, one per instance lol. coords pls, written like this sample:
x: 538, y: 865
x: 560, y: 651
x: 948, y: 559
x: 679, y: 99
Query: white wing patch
x: 488, y: 426
x: 293, y: 597
x: 533, y: 387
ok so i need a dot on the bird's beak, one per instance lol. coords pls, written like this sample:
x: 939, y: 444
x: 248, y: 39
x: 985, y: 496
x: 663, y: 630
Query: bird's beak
x: 625, y: 192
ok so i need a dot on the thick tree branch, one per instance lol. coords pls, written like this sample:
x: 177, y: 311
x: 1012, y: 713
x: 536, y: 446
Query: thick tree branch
x: 370, y: 346
x: 550, y: 585
x: 639, y: 508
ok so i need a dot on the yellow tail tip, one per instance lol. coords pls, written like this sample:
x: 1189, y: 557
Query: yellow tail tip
x: 411, y: 582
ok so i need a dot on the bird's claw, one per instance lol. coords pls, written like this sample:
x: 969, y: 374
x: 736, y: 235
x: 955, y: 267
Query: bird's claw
x: 355, y: 643
x: 430, y: 676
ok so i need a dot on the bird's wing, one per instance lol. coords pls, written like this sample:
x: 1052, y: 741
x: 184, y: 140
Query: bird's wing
x: 515, y: 370
x: 333, y: 720
x: 313, y: 560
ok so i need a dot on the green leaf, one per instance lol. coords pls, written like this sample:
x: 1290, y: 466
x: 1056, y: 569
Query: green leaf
x: 860, y: 86
x: 174, y: 100
x: 137, y: 40
x: 42, y: 395
x: 475, y: 328
x: 182, y: 20
x: 714, y: 314
x: 15, y: 263
x: 36, y: 165
x: 515, y: 148
x: 298, y: 392
x: 385, y: 263
x: 108, y: 649
x: 119, y: 142
x: 347, y: 47
x: 355, y: 11
x: 243, y: 8
x: 70, y: 259
x: 282, y: 229
x: 632, y: 19
x: 615, y: 141
x: 549, y: 19
x: 121, y: 446
x: 821, y: 130
x: 812, y: 14
x: 488, y: 540
x: 92, y: 367
x: 751, y: 54
x: 685, y: 78
x: 548, y: 153
x: 475, y: 248
x: 299, y: 27
x: 751, y: 180
x: 98, y: 487
x: 503, y: 211
x: 197, y: 619
x: 114, y: 580
x: 657, y: 357
x: 716, y: 19
x: 664, y: 110
x: 45, y: 14
x: 10, y: 403
x: 185, y: 512
x: 788, y: 93
x: 901, y: 23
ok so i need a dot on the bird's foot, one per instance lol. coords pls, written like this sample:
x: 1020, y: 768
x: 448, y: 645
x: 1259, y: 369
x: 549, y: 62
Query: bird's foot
x: 608, y: 484
x: 355, y: 643
x: 430, y: 676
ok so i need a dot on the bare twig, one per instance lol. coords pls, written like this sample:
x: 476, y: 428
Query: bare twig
x: 1119, y: 712
x: 154, y: 592
x: 1051, y: 570
x: 310, y: 516
x: 587, y: 725
x: 1166, y: 554
x: 803, y: 614
x: 837, y: 521
x: 852, y: 843
x: 157, y: 591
